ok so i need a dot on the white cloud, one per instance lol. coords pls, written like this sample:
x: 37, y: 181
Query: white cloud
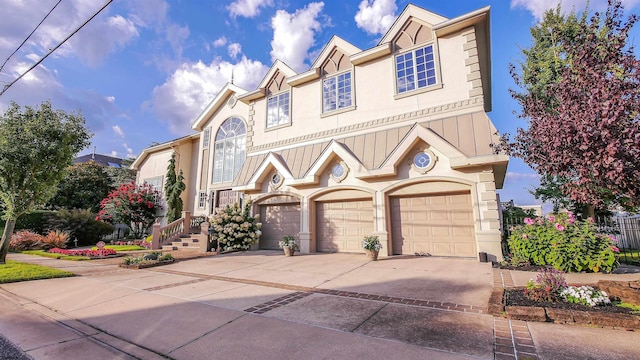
x: 118, y: 131
x: 293, y: 34
x: 376, y: 16
x: 538, y: 7
x: 128, y: 150
x: 192, y: 86
x: 114, y: 153
x: 247, y: 8
x: 101, y: 37
x: 221, y: 41
x: 110, y: 99
x: 234, y: 50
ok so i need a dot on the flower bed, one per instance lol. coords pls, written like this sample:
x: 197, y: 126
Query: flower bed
x: 84, y: 252
x: 147, y: 260
x: 550, y: 299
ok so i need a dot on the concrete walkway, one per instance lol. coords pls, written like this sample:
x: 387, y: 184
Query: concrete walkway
x: 262, y: 305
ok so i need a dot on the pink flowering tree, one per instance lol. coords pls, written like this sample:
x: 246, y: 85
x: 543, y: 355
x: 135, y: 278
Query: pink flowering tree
x: 564, y: 243
x: 131, y: 204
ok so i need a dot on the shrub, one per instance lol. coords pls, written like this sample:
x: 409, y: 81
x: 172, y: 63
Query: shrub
x: 131, y: 204
x: 564, y: 243
x: 56, y: 239
x: 234, y: 228
x: 36, y: 221
x: 81, y: 225
x: 26, y: 240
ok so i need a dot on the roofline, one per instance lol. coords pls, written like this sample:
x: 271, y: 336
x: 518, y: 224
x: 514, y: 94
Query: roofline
x: 164, y: 146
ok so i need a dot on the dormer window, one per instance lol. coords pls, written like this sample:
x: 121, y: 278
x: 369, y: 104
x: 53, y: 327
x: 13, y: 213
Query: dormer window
x: 415, y: 69
x: 336, y: 92
x: 278, y: 110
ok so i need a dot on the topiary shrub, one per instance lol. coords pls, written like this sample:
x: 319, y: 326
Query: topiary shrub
x: 36, y: 221
x: 26, y: 240
x: 234, y: 228
x: 81, y: 225
x: 564, y: 243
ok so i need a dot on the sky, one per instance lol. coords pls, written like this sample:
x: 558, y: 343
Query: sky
x: 142, y: 70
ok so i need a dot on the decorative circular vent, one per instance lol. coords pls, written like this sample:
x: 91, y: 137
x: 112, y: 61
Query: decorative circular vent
x: 424, y: 161
x: 339, y: 171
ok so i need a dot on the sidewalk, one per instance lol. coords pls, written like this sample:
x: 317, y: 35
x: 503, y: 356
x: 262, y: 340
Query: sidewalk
x: 261, y: 305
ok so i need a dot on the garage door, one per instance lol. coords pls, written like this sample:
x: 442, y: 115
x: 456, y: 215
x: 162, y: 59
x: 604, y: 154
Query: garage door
x: 278, y: 220
x: 341, y: 225
x: 440, y: 225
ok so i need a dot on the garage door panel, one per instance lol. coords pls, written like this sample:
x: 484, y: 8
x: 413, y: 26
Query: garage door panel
x: 438, y: 224
x: 340, y: 226
x: 278, y: 220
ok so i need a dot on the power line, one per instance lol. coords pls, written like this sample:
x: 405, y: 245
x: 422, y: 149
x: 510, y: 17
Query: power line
x: 6, y: 87
x: 34, y: 30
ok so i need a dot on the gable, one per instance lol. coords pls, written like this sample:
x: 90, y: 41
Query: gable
x: 414, y: 32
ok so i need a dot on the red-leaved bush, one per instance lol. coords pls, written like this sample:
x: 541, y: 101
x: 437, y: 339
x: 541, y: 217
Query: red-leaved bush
x: 26, y: 240
x: 56, y: 239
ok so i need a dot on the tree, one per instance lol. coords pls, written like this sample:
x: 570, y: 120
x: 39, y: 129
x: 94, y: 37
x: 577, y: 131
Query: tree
x: 131, y: 204
x: 173, y: 188
x: 121, y: 175
x: 83, y: 188
x: 36, y: 147
x: 584, y: 126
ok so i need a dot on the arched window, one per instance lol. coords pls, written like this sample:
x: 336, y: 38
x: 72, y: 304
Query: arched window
x: 229, y: 150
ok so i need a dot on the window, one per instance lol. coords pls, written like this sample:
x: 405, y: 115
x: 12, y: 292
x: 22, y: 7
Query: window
x: 229, y: 150
x: 202, y: 199
x: 336, y: 92
x: 415, y: 69
x: 278, y: 110
x: 156, y: 184
x: 205, y: 138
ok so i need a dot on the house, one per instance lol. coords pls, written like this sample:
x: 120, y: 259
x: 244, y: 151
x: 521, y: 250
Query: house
x: 102, y: 160
x: 392, y: 141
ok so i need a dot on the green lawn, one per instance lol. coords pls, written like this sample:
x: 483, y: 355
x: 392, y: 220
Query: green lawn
x: 14, y: 271
x: 122, y: 247
x: 56, y: 256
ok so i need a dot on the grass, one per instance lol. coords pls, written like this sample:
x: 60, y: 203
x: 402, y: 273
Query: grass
x: 630, y: 257
x: 122, y: 247
x: 14, y: 271
x: 634, y: 308
x: 56, y: 256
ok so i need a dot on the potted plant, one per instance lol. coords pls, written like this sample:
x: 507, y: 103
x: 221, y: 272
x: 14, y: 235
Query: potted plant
x: 372, y: 246
x: 289, y: 245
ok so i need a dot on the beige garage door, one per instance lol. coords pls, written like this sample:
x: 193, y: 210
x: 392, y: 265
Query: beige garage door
x: 440, y: 225
x: 277, y: 221
x: 341, y: 225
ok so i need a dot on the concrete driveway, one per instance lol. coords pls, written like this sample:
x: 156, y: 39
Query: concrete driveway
x: 262, y: 305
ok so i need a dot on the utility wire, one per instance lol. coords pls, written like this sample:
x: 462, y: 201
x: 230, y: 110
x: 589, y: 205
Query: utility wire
x: 6, y: 87
x: 34, y: 30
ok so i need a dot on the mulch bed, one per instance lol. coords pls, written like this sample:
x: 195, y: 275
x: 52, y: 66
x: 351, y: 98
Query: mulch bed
x: 146, y: 265
x: 516, y: 297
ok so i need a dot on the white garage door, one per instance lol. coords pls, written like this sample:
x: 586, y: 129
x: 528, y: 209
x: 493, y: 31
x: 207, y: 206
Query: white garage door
x: 341, y: 225
x: 436, y: 224
x: 277, y: 221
